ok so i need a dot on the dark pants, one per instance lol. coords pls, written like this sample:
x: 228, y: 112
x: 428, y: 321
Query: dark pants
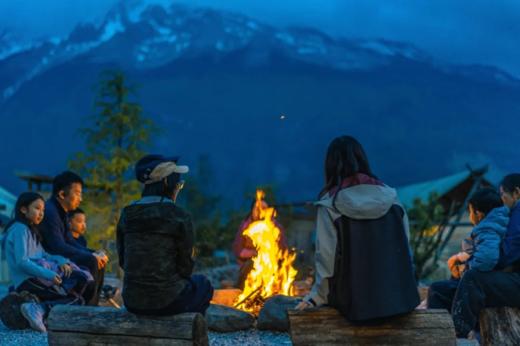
x: 194, y: 298
x: 93, y: 290
x: 441, y: 294
x: 478, y: 290
x: 51, y: 296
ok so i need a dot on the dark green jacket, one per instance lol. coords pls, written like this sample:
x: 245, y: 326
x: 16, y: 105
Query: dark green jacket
x: 154, y: 244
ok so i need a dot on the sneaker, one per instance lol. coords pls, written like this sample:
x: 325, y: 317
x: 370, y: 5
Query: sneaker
x: 34, y: 313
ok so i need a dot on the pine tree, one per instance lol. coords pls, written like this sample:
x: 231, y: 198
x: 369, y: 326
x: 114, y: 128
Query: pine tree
x: 114, y: 142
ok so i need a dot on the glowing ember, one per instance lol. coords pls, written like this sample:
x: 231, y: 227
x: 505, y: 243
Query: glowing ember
x: 272, y: 271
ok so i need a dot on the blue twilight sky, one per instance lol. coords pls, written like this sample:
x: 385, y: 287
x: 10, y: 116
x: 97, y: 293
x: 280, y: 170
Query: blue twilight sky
x: 454, y: 31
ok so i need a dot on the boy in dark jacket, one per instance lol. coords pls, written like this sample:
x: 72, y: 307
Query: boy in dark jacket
x: 154, y: 244
x: 481, y: 250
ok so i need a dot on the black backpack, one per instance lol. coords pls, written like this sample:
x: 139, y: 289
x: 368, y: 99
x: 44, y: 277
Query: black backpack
x: 10, y: 309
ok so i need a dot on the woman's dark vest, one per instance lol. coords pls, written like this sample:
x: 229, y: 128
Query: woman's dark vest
x: 373, y: 270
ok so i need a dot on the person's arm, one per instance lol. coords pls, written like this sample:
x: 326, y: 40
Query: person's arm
x: 120, y: 240
x: 326, y: 241
x: 486, y: 250
x: 57, y: 258
x: 20, y: 239
x: 52, y: 229
x: 185, y: 248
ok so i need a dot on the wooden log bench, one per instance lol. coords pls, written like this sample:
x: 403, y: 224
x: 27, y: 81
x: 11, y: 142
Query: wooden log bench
x: 325, y: 326
x: 500, y: 326
x: 86, y: 325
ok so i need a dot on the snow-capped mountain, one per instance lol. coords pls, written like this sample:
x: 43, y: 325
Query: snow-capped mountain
x: 144, y: 37
x: 218, y: 82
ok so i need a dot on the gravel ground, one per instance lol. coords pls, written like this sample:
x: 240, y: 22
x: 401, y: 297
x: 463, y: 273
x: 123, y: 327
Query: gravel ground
x: 249, y: 337
x: 24, y: 337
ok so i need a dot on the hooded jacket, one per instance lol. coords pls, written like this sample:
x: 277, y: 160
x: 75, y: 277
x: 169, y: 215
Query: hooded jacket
x: 376, y: 261
x: 485, y: 239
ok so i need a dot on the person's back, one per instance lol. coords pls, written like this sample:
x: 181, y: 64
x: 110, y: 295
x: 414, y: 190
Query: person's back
x: 375, y: 279
x: 363, y: 261
x: 485, y: 239
x: 154, y: 244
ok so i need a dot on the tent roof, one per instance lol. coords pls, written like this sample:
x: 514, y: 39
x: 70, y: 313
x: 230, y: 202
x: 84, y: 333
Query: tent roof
x: 441, y: 186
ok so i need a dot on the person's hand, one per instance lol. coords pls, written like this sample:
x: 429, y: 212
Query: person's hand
x: 102, y: 254
x: 463, y: 256
x: 57, y: 280
x: 66, y: 269
x: 456, y: 268
x: 303, y: 305
x: 100, y: 261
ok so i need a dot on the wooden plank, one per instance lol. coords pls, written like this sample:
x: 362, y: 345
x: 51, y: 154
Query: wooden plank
x: 325, y: 326
x: 86, y: 339
x: 500, y: 326
x: 111, y: 321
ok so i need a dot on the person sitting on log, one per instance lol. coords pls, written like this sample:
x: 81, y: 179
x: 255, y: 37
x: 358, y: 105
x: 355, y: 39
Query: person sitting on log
x: 481, y: 250
x: 499, y: 287
x: 67, y: 189
x: 364, y: 265
x: 53, y: 279
x: 155, y: 244
x: 243, y: 247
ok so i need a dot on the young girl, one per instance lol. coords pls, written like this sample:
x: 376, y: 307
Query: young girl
x: 53, y: 279
x: 363, y: 262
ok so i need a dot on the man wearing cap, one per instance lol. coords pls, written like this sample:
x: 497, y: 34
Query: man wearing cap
x: 155, y: 242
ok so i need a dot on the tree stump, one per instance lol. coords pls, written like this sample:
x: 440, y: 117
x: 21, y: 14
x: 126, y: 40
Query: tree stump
x: 500, y: 326
x: 325, y: 326
x: 86, y: 325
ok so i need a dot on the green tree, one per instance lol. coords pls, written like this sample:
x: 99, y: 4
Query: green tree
x: 115, y: 139
x: 428, y: 222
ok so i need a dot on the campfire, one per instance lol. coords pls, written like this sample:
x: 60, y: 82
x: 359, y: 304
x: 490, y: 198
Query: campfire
x: 272, y: 271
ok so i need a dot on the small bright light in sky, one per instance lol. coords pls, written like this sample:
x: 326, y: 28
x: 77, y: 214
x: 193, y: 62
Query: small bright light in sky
x: 282, y: 117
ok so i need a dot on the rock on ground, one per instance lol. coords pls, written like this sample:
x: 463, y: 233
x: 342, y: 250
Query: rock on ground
x: 273, y: 315
x: 223, y: 318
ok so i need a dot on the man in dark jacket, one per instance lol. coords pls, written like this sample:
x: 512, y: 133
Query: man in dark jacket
x: 57, y: 238
x: 154, y: 244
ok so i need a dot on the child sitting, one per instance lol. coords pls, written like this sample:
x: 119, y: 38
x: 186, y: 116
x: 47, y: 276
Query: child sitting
x: 78, y: 226
x: 481, y: 250
x: 51, y: 278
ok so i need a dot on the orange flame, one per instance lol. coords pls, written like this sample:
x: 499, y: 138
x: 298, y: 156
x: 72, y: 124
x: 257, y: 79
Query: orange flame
x: 272, y: 271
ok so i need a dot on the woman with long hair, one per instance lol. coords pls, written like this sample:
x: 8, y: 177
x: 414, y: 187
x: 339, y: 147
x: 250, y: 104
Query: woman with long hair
x: 363, y: 260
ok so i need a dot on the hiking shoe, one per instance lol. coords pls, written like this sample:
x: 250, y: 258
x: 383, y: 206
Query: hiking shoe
x: 34, y: 313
